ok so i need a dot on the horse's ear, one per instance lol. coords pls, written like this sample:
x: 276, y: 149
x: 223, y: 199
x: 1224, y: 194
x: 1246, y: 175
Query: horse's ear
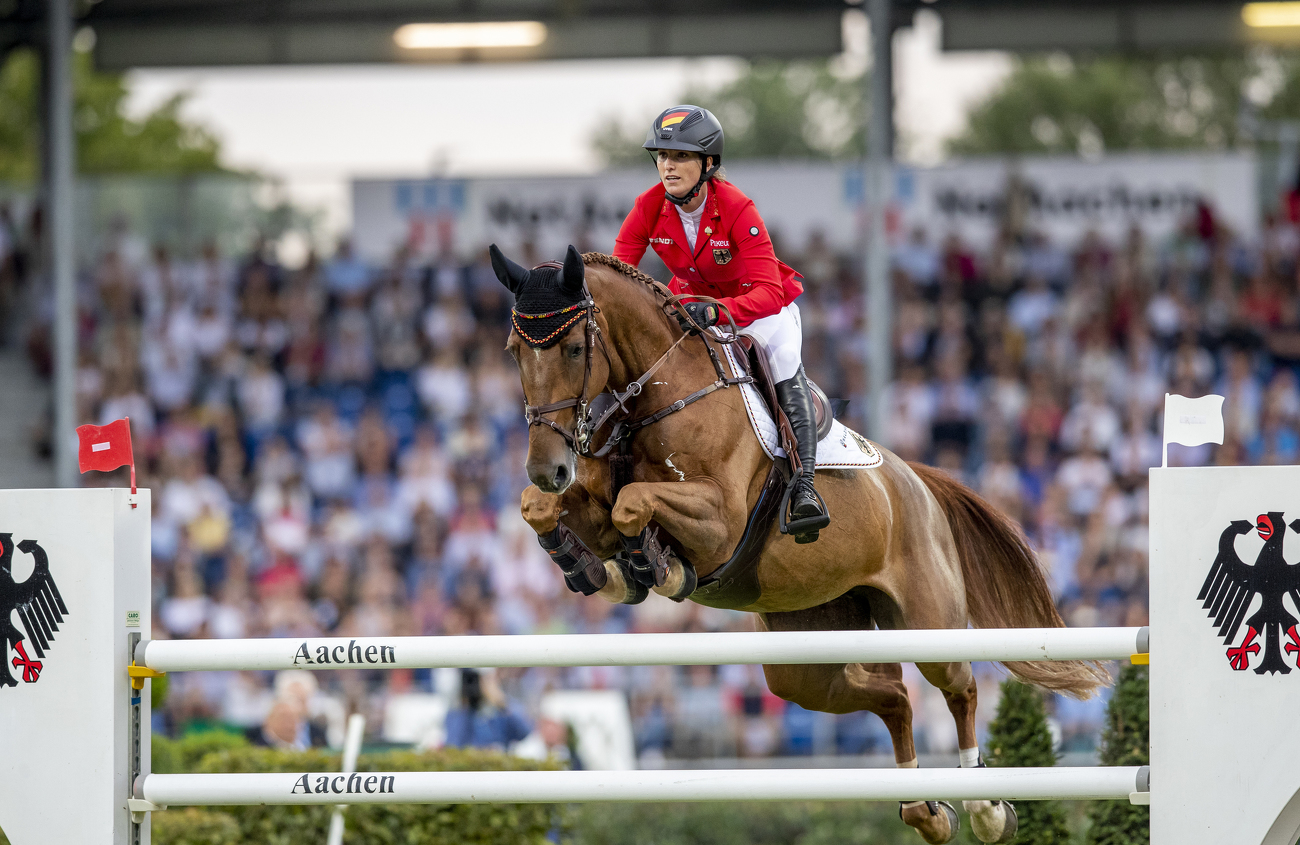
x: 574, y: 271
x: 510, y: 273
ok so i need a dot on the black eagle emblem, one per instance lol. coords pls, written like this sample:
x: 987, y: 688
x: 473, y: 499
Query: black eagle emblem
x: 40, y: 609
x: 1231, y: 587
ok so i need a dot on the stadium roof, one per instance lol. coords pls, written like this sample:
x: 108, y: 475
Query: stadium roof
x: 152, y: 33
x: 143, y: 33
x: 1102, y: 25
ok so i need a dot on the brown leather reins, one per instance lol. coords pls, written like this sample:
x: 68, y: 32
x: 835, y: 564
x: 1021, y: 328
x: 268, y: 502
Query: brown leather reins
x: 594, y: 414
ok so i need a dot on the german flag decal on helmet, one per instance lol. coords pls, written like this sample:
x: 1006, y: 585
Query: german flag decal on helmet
x: 672, y: 119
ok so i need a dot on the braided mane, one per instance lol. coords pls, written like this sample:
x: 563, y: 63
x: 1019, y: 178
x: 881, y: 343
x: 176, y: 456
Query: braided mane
x: 620, y: 266
x: 656, y: 287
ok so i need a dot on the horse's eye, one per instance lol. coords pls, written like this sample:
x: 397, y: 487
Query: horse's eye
x: 575, y: 350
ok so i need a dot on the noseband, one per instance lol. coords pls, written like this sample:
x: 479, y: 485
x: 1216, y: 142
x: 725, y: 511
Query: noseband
x: 594, y: 414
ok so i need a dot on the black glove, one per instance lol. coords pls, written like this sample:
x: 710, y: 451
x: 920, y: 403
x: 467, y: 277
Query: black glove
x: 703, y: 313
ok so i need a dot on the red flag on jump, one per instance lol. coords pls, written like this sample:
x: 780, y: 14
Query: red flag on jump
x: 106, y: 447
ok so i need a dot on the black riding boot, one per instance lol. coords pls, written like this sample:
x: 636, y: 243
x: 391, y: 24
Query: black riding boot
x: 807, y: 513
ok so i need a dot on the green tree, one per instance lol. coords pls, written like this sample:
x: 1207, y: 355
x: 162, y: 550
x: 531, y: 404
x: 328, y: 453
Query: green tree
x: 108, y: 140
x: 1055, y: 104
x: 804, y: 110
x: 1125, y: 742
x: 1018, y: 736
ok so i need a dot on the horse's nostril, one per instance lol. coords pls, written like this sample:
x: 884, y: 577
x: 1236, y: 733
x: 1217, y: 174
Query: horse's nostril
x: 561, y: 476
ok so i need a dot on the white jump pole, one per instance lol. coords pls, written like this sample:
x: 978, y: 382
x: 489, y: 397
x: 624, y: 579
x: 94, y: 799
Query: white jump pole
x: 351, y: 748
x: 1026, y: 784
x: 771, y: 647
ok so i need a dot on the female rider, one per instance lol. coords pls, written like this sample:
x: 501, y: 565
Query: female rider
x: 712, y: 239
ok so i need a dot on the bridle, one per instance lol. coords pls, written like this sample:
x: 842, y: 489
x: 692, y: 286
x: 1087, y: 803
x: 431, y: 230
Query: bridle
x: 594, y: 414
x: 579, y: 439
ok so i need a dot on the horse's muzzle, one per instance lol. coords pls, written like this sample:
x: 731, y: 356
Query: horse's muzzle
x: 553, y: 477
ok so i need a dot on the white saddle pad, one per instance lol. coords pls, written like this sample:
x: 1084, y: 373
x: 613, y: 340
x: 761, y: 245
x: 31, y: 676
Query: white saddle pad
x: 841, y: 448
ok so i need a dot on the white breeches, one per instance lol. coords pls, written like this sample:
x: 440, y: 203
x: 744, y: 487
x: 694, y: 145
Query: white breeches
x: 782, y: 336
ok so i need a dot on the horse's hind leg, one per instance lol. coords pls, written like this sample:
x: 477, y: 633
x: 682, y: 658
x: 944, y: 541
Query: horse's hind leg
x: 848, y: 688
x: 991, y: 821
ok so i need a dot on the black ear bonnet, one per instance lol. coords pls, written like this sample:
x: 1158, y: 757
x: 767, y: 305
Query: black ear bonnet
x: 549, y: 299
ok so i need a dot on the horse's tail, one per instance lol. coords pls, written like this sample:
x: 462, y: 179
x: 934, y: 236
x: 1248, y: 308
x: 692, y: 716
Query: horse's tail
x: 1005, y: 585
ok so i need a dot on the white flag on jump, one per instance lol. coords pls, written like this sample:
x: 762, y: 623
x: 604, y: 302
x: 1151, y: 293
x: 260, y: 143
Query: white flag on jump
x: 1191, y: 422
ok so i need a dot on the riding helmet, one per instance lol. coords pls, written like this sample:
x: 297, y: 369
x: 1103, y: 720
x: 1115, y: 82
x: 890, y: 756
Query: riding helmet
x: 689, y: 128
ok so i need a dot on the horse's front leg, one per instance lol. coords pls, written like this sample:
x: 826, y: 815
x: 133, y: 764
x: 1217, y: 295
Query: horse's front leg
x: 694, y: 513
x: 576, y: 532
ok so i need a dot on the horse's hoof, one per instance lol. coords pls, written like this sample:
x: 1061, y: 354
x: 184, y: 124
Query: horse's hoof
x: 621, y: 588
x: 936, y: 821
x: 681, y: 581
x: 636, y: 592
x: 992, y: 821
x: 639, y: 592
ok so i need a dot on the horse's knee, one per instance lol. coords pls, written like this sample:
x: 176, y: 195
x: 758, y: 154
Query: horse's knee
x: 540, y: 510
x: 632, y: 512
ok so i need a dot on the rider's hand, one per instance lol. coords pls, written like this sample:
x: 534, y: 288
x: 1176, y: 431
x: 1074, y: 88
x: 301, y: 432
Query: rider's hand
x: 705, y: 314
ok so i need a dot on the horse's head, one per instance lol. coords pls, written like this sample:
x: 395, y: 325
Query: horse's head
x: 554, y: 347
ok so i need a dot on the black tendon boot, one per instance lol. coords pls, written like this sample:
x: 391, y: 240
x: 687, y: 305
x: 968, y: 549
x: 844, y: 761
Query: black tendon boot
x: 583, y: 571
x: 807, y: 511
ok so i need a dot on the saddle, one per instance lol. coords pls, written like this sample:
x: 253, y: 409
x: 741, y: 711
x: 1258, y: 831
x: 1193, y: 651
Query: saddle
x: 735, y: 584
x: 756, y: 365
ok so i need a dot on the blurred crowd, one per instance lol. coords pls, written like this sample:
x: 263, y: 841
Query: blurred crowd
x: 338, y: 449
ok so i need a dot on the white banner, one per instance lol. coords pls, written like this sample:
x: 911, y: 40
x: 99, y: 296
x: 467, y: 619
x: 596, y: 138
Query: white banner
x: 1066, y: 198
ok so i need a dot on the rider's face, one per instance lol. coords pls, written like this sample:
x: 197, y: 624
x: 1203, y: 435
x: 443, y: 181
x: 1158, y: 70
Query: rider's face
x: 679, y: 170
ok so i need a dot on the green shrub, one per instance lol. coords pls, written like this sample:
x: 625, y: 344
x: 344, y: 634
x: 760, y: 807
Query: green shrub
x: 1018, y: 736
x: 171, y: 756
x: 158, y: 692
x: 1125, y: 742
x: 742, y: 823
x: 195, y: 826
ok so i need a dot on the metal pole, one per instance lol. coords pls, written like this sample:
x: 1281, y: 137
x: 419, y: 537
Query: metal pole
x: 879, y: 322
x: 62, y: 258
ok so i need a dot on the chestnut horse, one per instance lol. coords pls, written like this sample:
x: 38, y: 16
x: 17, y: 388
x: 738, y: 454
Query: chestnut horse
x: 907, y: 547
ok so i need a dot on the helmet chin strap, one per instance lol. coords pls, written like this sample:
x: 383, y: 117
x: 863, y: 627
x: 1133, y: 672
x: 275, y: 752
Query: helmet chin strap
x: 694, y: 192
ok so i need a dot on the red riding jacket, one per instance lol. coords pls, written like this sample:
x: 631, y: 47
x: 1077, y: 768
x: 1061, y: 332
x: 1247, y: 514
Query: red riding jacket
x: 733, y: 261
